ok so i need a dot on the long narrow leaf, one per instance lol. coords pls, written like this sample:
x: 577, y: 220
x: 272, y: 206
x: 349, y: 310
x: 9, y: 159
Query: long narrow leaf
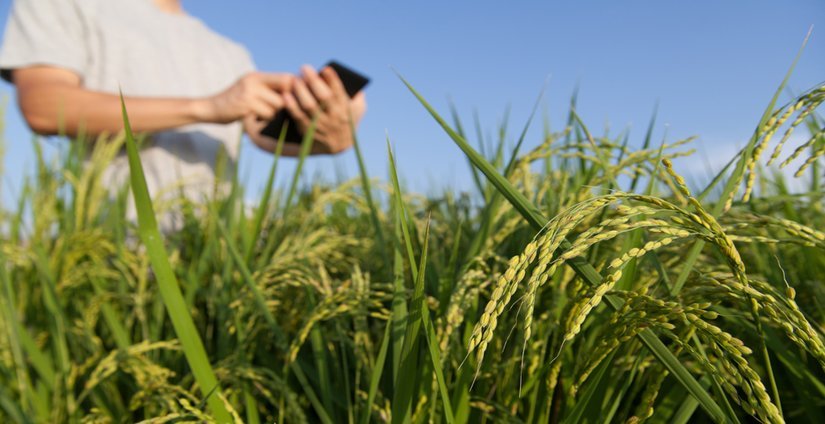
x: 168, y: 285
x: 411, y: 376
x: 435, y: 357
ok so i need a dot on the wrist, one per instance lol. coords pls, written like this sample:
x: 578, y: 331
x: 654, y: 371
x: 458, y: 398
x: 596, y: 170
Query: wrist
x: 201, y: 110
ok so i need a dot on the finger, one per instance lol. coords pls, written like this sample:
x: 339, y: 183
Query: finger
x: 295, y: 110
x: 358, y: 107
x: 318, y: 86
x: 334, y: 82
x: 305, y: 98
x: 263, y: 110
x: 253, y: 125
x: 280, y: 81
x: 272, y: 98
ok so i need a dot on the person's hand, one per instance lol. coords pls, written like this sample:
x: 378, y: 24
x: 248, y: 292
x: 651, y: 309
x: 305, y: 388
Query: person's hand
x: 256, y: 95
x: 323, y: 97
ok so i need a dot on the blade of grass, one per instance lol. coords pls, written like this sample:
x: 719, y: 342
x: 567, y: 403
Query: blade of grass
x: 365, y: 184
x: 12, y: 324
x: 460, y: 129
x: 377, y: 371
x: 411, y: 376
x: 263, y: 206
x: 257, y: 296
x: 12, y: 408
x: 401, y: 211
x: 42, y: 363
x: 514, y: 154
x: 168, y: 285
x: 495, y: 199
x: 432, y: 344
x: 306, y: 147
x: 399, y: 308
x: 112, y: 318
x: 604, y: 160
x: 404, y: 384
x: 252, y: 416
x: 319, y: 354
x: 341, y: 371
x: 59, y: 328
x: 586, y: 402
x: 685, y: 411
x: 645, y: 145
x: 313, y: 398
x: 610, y: 412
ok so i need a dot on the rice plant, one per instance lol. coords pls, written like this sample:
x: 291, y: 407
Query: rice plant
x: 583, y: 281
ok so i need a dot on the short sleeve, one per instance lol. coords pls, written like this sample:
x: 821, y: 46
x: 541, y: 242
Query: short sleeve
x: 44, y: 32
x: 247, y: 63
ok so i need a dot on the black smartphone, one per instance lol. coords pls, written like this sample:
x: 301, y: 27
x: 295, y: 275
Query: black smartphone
x: 353, y: 83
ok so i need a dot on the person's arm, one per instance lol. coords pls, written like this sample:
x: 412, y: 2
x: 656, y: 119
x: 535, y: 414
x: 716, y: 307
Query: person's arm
x: 53, y: 101
x: 314, y: 94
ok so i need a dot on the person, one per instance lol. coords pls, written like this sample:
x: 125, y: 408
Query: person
x: 192, y: 89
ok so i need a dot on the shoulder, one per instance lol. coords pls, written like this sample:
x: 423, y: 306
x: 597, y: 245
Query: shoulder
x: 48, y: 32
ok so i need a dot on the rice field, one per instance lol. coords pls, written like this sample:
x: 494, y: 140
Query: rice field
x: 582, y: 281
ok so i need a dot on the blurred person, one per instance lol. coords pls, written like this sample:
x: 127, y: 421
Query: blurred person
x: 193, y: 90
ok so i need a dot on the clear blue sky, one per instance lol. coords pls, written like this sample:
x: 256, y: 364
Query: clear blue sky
x: 711, y: 66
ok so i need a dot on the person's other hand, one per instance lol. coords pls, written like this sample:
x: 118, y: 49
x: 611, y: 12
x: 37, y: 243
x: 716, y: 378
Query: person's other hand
x: 256, y: 94
x: 323, y: 97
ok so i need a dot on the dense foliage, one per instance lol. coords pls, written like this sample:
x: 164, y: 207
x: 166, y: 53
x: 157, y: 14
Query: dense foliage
x: 582, y: 282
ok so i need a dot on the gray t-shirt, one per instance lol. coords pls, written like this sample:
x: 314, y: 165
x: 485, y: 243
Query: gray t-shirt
x: 131, y: 45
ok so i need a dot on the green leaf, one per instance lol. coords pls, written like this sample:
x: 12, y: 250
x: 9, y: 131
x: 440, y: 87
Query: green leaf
x: 410, y: 376
x: 435, y: 357
x: 586, y: 403
x: 377, y: 371
x: 168, y: 284
x: 263, y: 204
